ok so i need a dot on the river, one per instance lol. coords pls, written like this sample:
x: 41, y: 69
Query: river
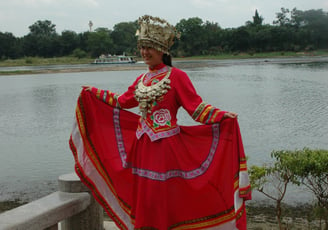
x: 281, y: 105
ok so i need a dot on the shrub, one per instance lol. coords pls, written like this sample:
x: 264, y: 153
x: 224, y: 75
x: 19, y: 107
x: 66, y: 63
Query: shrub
x: 78, y: 53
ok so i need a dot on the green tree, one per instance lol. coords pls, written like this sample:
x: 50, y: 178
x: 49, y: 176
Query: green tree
x: 214, y: 34
x: 281, y: 38
x: 193, y: 37
x: 124, y: 38
x: 315, y: 23
x: 283, y: 17
x: 261, y: 39
x: 99, y: 42
x: 257, y: 20
x: 42, y: 40
x: 226, y: 39
x: 69, y: 41
x: 43, y: 28
x: 258, y: 35
x: 10, y: 46
x: 240, y: 39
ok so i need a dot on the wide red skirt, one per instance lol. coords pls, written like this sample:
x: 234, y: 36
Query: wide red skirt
x: 196, y: 179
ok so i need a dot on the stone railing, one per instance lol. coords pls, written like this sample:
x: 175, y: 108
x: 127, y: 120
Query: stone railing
x: 72, y: 206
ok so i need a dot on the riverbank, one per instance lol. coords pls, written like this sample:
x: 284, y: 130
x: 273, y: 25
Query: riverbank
x: 37, y: 61
x: 69, y: 64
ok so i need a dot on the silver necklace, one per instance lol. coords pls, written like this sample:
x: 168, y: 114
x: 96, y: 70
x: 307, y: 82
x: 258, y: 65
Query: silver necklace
x: 147, y: 95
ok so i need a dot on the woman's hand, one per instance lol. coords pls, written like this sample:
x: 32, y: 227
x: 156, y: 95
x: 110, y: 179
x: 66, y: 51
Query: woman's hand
x: 87, y: 87
x: 230, y: 115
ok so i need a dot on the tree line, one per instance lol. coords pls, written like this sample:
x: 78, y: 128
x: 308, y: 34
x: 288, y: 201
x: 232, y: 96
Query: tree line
x: 292, y: 30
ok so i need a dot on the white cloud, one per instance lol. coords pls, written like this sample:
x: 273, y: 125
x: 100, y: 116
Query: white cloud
x: 51, y: 3
x: 325, y: 4
x: 82, y: 3
x: 202, y: 3
x: 36, y: 2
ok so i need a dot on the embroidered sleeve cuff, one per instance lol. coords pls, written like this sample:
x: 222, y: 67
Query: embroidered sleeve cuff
x: 106, y: 96
x: 207, y: 114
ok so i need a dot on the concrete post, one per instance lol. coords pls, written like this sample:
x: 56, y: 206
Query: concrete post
x: 90, y: 219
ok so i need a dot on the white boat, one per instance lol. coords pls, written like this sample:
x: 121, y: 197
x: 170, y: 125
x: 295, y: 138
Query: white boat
x: 115, y: 59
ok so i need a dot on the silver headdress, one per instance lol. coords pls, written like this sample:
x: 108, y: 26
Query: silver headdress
x: 156, y: 33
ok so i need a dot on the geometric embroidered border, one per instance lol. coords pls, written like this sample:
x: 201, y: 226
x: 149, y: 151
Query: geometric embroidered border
x: 162, y: 176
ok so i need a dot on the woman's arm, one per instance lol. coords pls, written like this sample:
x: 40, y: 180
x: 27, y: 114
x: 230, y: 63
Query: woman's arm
x: 199, y: 110
x: 125, y: 100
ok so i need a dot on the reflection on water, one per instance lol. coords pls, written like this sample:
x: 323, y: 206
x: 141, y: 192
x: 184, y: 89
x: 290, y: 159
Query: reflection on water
x: 280, y: 106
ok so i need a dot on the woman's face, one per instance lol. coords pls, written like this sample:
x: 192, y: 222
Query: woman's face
x: 151, y: 56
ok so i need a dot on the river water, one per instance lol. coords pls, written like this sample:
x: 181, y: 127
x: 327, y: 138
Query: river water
x: 281, y: 105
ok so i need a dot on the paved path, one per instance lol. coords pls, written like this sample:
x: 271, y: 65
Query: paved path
x: 109, y: 225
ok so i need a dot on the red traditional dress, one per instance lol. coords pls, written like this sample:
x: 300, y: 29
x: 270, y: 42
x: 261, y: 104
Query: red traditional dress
x: 150, y: 173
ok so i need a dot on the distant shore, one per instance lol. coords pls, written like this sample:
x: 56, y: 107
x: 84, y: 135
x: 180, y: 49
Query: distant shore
x: 70, y: 65
x: 180, y: 63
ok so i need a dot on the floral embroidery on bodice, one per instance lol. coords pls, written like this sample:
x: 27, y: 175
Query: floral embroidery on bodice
x: 161, y: 117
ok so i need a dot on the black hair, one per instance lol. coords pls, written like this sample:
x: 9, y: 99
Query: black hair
x: 167, y: 59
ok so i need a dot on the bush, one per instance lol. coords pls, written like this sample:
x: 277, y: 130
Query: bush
x: 310, y: 167
x: 302, y: 167
x: 28, y: 60
x: 78, y: 53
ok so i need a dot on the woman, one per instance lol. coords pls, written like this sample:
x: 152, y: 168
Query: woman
x: 147, y: 171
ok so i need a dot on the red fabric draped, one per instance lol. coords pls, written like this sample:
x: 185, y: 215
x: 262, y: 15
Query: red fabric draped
x: 196, y: 179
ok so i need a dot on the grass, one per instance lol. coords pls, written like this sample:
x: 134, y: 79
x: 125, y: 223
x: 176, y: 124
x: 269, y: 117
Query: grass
x: 10, y: 204
x: 35, y: 61
x: 16, y: 72
x: 260, y: 55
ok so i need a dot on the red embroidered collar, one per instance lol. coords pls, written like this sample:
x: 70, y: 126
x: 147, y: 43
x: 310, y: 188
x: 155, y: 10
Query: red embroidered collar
x: 157, y: 67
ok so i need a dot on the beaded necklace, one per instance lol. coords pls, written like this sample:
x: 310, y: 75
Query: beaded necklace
x: 147, y: 95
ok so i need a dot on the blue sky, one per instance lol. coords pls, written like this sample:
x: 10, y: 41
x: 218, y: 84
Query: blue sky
x: 17, y: 15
